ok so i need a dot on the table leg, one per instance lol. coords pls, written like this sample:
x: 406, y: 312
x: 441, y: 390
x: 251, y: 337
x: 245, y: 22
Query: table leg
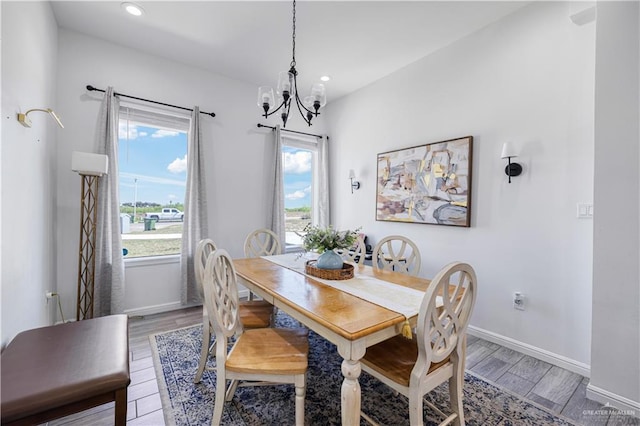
x: 351, y: 393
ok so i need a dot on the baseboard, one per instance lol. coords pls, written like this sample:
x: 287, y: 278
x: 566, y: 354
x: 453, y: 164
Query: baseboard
x: 166, y: 307
x: 624, y: 406
x: 541, y: 354
x: 155, y: 309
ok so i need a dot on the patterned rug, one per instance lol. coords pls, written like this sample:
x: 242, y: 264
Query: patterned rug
x: 175, y: 355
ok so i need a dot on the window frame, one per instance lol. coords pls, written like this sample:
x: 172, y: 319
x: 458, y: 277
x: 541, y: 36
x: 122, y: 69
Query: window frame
x: 159, y: 118
x: 309, y: 143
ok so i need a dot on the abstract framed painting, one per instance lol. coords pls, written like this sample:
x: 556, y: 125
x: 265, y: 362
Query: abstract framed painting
x: 428, y: 183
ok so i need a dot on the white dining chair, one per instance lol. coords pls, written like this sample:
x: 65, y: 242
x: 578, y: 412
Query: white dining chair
x: 253, y: 314
x: 357, y: 253
x: 397, y: 253
x: 273, y: 355
x: 261, y: 242
x: 414, y: 367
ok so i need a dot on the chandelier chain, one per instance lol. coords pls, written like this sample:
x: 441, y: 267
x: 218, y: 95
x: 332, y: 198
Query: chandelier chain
x: 293, y: 37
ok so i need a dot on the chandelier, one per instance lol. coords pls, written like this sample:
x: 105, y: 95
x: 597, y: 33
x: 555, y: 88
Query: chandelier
x: 287, y: 91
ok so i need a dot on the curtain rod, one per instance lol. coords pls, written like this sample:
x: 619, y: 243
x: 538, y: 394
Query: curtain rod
x: 291, y: 131
x: 93, y: 89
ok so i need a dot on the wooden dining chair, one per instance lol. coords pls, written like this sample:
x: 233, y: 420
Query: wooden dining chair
x: 413, y: 367
x: 253, y: 314
x: 397, y: 253
x: 357, y: 253
x: 273, y: 355
x: 262, y: 242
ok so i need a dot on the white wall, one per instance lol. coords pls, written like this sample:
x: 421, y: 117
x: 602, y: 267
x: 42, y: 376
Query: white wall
x: 527, y: 79
x: 85, y: 60
x: 236, y: 151
x: 152, y: 285
x: 29, y: 55
x: 616, y: 278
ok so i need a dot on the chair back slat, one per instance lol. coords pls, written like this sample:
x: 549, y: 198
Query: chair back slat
x: 221, y: 294
x: 397, y: 253
x: 262, y: 242
x: 204, y: 248
x: 357, y: 255
x: 441, y: 329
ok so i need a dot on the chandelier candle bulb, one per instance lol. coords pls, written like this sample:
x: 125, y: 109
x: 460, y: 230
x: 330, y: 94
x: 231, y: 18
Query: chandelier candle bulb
x: 265, y: 98
x: 285, y: 81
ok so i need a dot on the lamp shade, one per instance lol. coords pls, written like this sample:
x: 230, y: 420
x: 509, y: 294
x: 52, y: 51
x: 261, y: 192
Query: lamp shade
x: 86, y: 163
x: 508, y: 151
x: 352, y: 174
x: 265, y: 97
x: 285, y: 84
x: 319, y: 94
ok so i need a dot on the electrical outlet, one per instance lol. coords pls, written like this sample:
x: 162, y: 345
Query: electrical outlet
x: 518, y: 301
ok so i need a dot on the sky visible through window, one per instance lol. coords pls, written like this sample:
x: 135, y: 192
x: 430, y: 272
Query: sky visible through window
x: 297, y: 177
x: 157, y: 158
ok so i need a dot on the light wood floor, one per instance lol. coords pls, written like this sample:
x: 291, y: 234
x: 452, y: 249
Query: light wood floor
x: 560, y: 390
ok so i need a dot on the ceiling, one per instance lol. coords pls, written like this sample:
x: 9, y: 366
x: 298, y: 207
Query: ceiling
x: 354, y: 42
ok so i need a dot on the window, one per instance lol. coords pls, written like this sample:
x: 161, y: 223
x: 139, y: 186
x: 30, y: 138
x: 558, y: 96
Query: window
x: 300, y: 161
x: 152, y: 171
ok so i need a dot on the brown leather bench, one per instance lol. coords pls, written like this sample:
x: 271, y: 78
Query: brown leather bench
x: 54, y: 371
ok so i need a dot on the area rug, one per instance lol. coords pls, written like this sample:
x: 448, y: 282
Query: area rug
x: 176, y: 353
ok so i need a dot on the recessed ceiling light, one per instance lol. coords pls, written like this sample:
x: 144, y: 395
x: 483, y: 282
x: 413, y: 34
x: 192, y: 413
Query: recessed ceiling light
x: 132, y: 8
x: 325, y: 78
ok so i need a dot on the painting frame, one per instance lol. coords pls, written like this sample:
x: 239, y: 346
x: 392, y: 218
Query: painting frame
x: 426, y: 184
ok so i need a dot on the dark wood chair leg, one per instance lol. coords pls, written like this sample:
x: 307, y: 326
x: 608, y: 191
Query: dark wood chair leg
x: 121, y: 407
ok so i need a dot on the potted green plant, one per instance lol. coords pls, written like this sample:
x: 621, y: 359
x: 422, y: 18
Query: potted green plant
x: 325, y: 241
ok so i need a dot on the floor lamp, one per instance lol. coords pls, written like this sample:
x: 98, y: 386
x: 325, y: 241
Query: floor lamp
x: 90, y: 167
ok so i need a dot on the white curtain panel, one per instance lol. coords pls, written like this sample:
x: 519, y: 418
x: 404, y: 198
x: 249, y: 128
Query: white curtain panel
x: 109, y: 272
x: 195, y: 225
x: 324, y: 218
x: 277, y: 207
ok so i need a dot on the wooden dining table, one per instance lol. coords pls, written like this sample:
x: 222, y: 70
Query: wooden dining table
x: 351, y: 323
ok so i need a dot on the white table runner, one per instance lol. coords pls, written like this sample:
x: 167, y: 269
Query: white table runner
x: 397, y: 298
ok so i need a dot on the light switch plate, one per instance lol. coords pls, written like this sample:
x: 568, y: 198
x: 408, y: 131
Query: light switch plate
x: 585, y: 210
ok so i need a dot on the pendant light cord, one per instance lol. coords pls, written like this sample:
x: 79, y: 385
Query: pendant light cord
x: 293, y: 37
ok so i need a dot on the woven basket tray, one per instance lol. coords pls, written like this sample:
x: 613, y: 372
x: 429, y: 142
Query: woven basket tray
x: 329, y: 274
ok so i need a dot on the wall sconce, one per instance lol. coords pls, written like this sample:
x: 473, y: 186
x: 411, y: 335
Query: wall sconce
x: 354, y: 183
x: 26, y: 121
x: 512, y: 169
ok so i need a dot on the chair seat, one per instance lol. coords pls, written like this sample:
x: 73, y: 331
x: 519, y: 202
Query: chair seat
x: 263, y: 351
x: 394, y: 358
x: 54, y: 371
x: 256, y: 313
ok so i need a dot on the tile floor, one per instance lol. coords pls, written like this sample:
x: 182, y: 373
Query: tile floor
x: 561, y: 391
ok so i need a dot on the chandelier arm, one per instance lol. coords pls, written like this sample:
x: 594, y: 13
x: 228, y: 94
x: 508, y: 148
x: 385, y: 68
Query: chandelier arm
x: 300, y: 110
x: 275, y: 110
x: 285, y: 113
x: 288, y: 107
x: 299, y: 102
